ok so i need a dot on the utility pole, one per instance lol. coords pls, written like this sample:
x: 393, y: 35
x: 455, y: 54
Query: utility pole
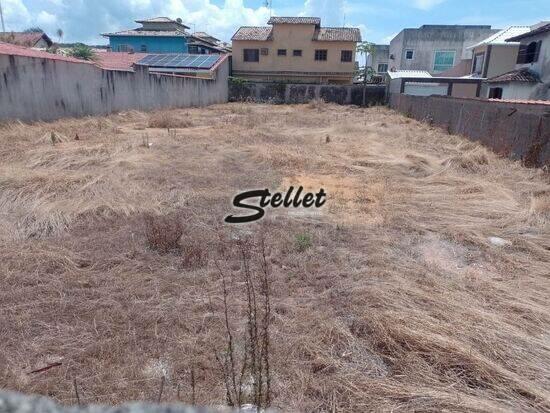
x: 2, y: 18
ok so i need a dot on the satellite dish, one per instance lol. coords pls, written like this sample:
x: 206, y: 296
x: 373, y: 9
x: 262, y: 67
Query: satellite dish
x: 179, y: 20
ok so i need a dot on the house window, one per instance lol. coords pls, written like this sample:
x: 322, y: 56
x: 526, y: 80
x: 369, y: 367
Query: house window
x: 347, y: 56
x: 409, y: 54
x: 143, y: 48
x: 495, y: 93
x: 193, y: 49
x: 478, y: 63
x: 264, y: 51
x: 125, y: 48
x: 321, y: 54
x: 251, y: 55
x: 529, y: 53
x: 443, y: 60
x: 297, y: 53
x: 382, y: 67
x: 281, y: 52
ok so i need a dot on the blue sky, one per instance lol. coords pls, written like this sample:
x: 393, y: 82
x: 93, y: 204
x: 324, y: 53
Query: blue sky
x: 380, y: 20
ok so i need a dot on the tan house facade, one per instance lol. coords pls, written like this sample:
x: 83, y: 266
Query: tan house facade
x: 295, y: 49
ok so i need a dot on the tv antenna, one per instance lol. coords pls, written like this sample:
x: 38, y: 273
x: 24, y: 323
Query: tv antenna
x: 2, y: 18
x: 269, y: 4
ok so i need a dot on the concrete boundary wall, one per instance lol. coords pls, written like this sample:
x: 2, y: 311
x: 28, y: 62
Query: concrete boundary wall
x: 34, y: 89
x: 520, y: 131
x: 290, y: 93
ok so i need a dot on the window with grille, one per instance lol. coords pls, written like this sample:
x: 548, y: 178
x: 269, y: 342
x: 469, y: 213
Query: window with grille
x: 321, y: 55
x: 251, y: 55
x: 409, y: 54
x: 529, y: 53
x: 281, y: 52
x: 297, y: 53
x: 382, y: 67
x: 443, y: 60
x: 347, y: 55
x: 495, y: 93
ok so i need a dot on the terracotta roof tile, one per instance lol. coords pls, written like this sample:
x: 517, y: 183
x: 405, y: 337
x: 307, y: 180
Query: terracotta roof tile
x: 118, y: 60
x: 337, y: 34
x: 14, y: 50
x: 295, y: 20
x: 253, y: 33
x: 521, y: 75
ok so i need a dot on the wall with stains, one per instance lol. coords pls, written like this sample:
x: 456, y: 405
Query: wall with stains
x: 520, y: 131
x: 34, y: 89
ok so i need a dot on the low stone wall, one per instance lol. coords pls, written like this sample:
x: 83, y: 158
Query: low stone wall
x: 288, y: 93
x: 520, y: 131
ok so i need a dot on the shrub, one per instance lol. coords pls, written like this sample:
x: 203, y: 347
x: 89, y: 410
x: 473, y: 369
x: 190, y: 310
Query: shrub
x: 81, y: 51
x: 303, y: 242
x: 163, y: 233
x: 166, y: 120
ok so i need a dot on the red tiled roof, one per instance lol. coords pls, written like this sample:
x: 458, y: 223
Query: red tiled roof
x: 11, y: 49
x: 118, y: 60
x: 24, y: 39
x: 520, y: 75
x: 337, y: 34
x: 253, y: 33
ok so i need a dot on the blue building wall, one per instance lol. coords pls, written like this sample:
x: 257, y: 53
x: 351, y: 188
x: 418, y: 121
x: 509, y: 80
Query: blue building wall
x: 153, y: 44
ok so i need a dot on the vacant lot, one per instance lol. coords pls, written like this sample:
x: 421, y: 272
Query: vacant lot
x: 422, y: 284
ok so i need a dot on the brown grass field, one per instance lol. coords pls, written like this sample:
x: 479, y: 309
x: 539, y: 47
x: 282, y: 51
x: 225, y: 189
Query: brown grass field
x: 392, y: 297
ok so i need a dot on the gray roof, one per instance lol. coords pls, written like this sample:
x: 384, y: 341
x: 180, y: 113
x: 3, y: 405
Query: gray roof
x: 142, y: 32
x: 540, y: 30
x: 337, y: 34
x: 253, y: 33
x: 162, y: 20
x: 295, y: 20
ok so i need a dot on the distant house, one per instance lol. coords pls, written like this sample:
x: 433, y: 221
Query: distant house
x: 379, y: 60
x: 435, y: 48
x: 531, y: 77
x: 35, y: 40
x: 157, y: 35
x: 203, y: 43
x: 494, y: 56
x: 295, y: 49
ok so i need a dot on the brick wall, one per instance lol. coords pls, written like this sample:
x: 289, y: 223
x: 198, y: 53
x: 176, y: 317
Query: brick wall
x: 520, y: 131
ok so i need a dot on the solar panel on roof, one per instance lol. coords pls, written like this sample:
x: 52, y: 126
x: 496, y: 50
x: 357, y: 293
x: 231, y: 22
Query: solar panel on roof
x: 180, y: 60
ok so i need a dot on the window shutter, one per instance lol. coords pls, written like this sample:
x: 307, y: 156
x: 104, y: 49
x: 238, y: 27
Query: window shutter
x: 537, y: 51
x: 522, y: 53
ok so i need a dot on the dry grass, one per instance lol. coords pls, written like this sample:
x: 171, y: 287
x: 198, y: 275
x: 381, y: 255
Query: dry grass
x: 391, y: 298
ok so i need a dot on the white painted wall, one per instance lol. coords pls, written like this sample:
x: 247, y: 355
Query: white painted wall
x: 46, y: 89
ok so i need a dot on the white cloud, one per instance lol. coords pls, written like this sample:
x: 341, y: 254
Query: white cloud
x: 388, y: 39
x: 330, y: 11
x: 426, y: 4
x: 84, y: 20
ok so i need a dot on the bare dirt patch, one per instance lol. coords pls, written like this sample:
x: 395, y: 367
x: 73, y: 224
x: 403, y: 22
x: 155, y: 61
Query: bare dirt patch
x: 393, y: 297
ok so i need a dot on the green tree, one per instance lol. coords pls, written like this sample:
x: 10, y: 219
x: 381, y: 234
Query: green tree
x: 81, y: 51
x: 365, y: 49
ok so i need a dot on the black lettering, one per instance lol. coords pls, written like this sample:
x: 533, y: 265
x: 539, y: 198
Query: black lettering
x: 309, y: 200
x: 276, y: 200
x: 321, y: 198
x: 238, y: 203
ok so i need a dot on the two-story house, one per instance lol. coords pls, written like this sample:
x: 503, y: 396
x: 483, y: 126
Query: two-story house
x: 378, y: 60
x: 436, y: 48
x: 295, y: 49
x: 531, y: 77
x: 157, y: 35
